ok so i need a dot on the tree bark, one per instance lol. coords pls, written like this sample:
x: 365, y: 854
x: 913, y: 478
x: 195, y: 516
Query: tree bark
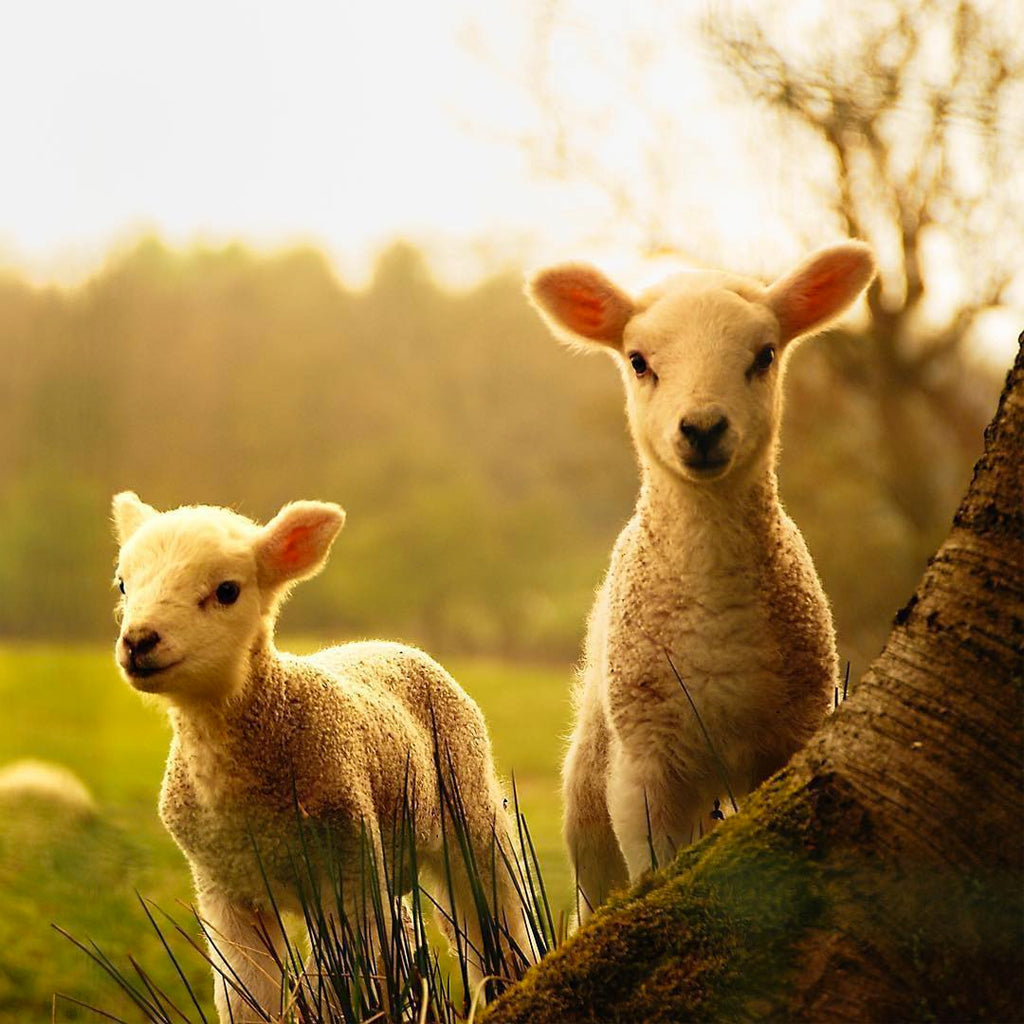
x: 878, y: 876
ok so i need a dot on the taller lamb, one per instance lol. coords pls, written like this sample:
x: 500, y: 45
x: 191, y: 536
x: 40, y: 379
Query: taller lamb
x: 711, y: 595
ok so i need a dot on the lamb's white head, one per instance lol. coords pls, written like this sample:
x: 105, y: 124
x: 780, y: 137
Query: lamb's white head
x: 202, y: 586
x: 701, y: 355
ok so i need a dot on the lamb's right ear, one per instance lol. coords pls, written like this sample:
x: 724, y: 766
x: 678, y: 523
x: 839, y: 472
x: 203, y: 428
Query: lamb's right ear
x: 578, y: 301
x: 294, y: 545
x: 129, y: 514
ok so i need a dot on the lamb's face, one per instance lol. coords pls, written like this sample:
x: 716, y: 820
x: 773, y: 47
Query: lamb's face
x: 201, y: 588
x: 192, y: 605
x: 701, y: 369
x: 701, y: 355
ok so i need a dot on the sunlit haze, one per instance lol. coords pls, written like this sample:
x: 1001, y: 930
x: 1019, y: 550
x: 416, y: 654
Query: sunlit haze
x: 349, y: 125
x: 340, y: 124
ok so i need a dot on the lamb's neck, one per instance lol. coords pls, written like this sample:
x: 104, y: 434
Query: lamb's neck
x: 214, y: 724
x: 703, y: 525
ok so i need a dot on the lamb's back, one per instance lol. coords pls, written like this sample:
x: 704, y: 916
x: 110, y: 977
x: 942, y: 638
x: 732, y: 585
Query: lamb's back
x: 448, y: 725
x: 430, y: 697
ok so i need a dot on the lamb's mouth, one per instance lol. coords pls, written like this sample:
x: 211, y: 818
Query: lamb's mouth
x: 141, y: 672
x: 707, y: 469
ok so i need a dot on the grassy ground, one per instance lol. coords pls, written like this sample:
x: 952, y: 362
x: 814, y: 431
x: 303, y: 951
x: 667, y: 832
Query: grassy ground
x: 68, y: 705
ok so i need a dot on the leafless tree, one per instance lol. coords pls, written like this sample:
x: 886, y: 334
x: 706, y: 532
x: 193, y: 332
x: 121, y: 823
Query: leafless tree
x: 919, y: 107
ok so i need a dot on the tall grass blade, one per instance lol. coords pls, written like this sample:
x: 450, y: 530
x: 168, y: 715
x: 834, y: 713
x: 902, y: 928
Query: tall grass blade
x: 160, y: 998
x: 85, y: 1006
x: 172, y: 958
x: 723, y: 775
x: 650, y: 835
x: 122, y: 982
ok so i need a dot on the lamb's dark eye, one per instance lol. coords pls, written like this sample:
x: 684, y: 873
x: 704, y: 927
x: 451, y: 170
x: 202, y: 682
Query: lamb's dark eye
x: 638, y: 363
x: 762, y: 360
x: 120, y: 585
x: 227, y: 592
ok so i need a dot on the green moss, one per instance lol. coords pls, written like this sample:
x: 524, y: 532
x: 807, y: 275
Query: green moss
x: 772, y: 915
x: 708, y: 938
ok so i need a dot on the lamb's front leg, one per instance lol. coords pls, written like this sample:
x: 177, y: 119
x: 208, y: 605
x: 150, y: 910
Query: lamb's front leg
x: 246, y: 946
x: 650, y: 811
x: 594, y: 850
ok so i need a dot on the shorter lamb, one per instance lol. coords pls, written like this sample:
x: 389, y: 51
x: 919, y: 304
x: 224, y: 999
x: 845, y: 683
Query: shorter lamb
x: 264, y: 740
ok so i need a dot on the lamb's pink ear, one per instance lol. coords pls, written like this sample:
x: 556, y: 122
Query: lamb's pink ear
x: 823, y: 286
x: 294, y: 545
x: 580, y: 301
x: 129, y: 514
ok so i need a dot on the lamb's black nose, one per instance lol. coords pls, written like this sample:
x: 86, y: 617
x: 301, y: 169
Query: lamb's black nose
x: 703, y: 433
x: 141, y: 641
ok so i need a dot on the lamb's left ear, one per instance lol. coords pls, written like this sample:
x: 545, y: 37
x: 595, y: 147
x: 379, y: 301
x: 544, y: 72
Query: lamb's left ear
x: 823, y: 286
x: 129, y: 514
x: 294, y: 545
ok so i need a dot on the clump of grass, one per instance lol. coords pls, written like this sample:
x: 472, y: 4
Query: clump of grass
x: 369, y: 955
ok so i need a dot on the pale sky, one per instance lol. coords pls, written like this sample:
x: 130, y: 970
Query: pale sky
x: 348, y: 124
x: 345, y: 124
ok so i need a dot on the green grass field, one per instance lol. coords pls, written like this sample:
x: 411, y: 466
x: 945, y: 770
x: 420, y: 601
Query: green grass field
x: 68, y: 705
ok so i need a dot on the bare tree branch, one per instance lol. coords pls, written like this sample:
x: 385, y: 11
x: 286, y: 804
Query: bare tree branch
x: 902, y: 110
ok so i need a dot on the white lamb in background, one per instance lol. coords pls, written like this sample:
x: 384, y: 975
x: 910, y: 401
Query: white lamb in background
x: 709, y: 570
x: 48, y: 785
x: 256, y: 730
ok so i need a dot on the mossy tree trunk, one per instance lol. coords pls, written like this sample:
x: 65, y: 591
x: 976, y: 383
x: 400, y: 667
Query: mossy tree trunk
x: 878, y: 877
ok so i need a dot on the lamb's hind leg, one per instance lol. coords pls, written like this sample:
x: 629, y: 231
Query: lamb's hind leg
x: 593, y: 847
x: 654, y: 815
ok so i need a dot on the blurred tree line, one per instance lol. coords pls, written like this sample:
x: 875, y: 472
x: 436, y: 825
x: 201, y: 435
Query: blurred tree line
x: 485, y: 469
x: 482, y: 472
